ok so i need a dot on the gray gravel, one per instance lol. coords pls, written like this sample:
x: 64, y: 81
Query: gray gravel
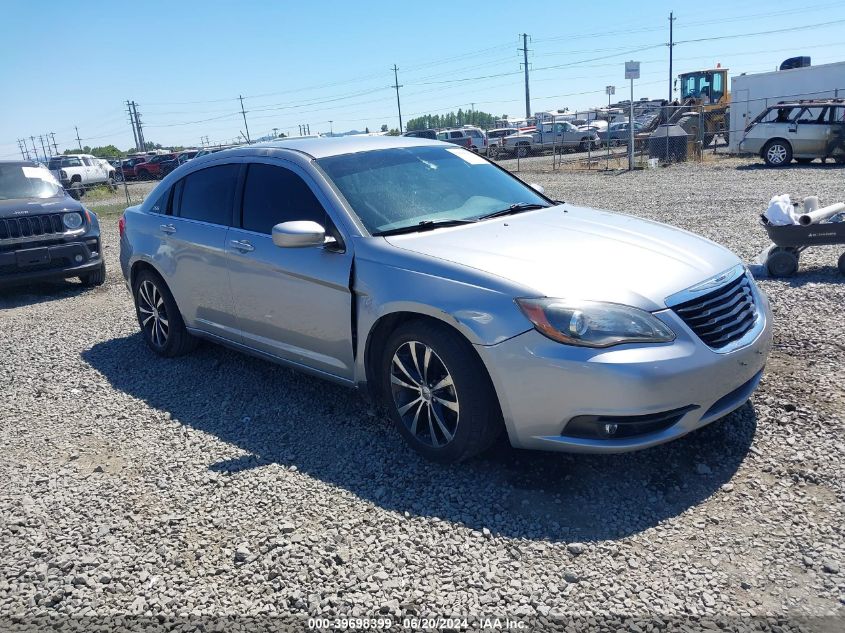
x: 216, y: 485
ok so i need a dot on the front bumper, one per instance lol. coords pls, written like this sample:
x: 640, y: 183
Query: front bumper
x: 53, y: 261
x: 750, y: 146
x: 542, y: 385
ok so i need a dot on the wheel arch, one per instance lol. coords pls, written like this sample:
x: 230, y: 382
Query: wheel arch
x: 772, y: 140
x: 381, y: 330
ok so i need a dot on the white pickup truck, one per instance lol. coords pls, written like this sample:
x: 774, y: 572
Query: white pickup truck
x: 78, y: 172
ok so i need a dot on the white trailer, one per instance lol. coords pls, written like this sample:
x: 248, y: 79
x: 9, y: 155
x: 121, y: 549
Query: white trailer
x: 751, y: 94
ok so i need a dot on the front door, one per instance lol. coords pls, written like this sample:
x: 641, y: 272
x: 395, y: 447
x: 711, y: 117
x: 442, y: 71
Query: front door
x: 193, y: 253
x: 812, y: 131
x: 293, y: 303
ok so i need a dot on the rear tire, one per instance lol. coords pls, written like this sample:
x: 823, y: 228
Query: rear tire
x: 97, y: 278
x: 158, y: 316
x: 438, y: 392
x: 111, y: 184
x: 777, y: 153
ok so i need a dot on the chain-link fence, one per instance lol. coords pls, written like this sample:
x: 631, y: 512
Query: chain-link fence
x: 602, y: 138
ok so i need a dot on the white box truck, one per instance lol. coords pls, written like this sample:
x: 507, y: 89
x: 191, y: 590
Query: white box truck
x: 751, y: 94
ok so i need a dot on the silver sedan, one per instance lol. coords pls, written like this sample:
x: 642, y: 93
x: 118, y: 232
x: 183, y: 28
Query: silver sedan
x: 464, y: 300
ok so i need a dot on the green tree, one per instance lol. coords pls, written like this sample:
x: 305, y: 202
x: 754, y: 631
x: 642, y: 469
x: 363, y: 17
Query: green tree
x: 384, y: 127
x: 452, y: 119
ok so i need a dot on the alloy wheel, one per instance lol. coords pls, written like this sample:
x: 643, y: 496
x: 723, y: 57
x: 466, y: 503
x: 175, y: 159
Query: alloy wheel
x: 153, y: 313
x: 776, y: 154
x: 424, y: 394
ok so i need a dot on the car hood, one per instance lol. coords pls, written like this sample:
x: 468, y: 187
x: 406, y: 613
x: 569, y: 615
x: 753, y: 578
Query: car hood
x: 579, y: 253
x: 22, y: 207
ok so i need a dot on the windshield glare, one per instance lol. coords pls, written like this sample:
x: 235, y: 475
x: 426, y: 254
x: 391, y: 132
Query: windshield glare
x: 22, y: 181
x: 400, y: 187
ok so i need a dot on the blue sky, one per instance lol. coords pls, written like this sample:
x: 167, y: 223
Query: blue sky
x: 186, y: 62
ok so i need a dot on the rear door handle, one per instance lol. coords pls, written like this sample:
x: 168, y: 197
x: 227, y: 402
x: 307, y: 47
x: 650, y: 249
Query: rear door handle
x: 242, y: 245
x: 167, y: 228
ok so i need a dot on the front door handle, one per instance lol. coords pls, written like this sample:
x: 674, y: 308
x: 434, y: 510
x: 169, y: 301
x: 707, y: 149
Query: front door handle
x: 167, y: 228
x: 242, y: 245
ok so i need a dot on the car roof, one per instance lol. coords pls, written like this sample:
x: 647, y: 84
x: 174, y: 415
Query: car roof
x: 326, y: 146
x: 20, y: 163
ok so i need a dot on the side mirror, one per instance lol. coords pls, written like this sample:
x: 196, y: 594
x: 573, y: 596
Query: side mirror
x: 537, y: 187
x: 298, y: 234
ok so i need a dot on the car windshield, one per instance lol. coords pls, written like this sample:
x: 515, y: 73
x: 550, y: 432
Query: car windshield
x: 23, y: 181
x: 399, y: 187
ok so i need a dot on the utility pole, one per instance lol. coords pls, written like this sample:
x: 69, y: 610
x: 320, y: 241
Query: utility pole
x: 672, y: 18
x: 524, y: 50
x: 141, y: 140
x: 79, y: 140
x: 23, y: 153
x: 397, y: 86
x: 34, y: 149
x: 131, y: 121
x: 243, y: 112
x: 331, y: 127
x: 275, y: 132
x: 55, y: 147
x: 44, y: 151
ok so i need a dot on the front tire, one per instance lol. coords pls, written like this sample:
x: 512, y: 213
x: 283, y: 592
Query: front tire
x: 438, y: 392
x: 777, y: 153
x: 76, y: 190
x: 158, y: 316
x: 96, y: 278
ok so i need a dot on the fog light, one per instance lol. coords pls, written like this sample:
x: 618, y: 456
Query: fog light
x: 610, y: 429
x: 77, y: 258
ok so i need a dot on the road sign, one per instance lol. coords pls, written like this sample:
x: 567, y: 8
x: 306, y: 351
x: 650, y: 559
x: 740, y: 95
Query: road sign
x: 610, y: 90
x: 632, y: 70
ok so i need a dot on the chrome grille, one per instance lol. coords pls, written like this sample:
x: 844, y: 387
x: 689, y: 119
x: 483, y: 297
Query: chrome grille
x: 31, y: 226
x: 722, y: 316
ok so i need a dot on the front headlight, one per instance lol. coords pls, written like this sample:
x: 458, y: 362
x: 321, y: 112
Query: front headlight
x: 72, y: 220
x: 594, y: 324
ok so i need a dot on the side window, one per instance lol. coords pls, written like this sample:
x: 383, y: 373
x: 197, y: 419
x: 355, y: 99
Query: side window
x: 456, y: 134
x: 86, y: 160
x: 161, y: 205
x: 208, y: 195
x: 442, y: 136
x: 275, y: 194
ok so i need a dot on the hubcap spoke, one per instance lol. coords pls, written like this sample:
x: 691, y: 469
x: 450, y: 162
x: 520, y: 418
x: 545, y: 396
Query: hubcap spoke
x: 446, y: 381
x: 416, y: 362
x: 416, y: 418
x: 404, y: 410
x: 398, y: 381
x: 426, y: 362
x: 446, y: 403
x: 401, y: 366
x: 441, y: 424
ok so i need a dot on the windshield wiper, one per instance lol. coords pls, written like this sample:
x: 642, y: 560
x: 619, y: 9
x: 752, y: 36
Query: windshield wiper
x: 519, y: 207
x: 425, y: 225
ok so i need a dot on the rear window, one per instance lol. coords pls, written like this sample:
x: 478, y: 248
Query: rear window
x: 208, y: 195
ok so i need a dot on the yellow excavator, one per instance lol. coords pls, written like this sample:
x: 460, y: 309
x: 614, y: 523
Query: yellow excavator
x: 704, y: 91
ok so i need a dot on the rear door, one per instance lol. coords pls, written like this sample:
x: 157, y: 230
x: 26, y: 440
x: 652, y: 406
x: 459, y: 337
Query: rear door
x: 812, y: 131
x: 193, y: 253
x: 293, y: 303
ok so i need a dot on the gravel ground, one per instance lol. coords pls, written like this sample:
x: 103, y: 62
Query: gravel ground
x: 221, y: 491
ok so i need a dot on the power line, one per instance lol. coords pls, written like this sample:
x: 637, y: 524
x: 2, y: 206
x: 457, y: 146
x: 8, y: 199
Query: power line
x: 771, y: 32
